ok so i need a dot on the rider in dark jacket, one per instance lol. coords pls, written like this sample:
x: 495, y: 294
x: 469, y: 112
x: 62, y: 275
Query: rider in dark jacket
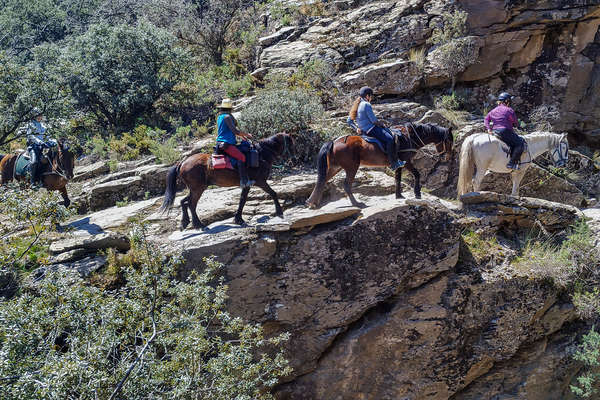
x: 501, y: 121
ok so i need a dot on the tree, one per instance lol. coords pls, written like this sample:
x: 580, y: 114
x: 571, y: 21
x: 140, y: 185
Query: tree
x: 29, y: 23
x: 453, y: 52
x: 209, y: 24
x: 26, y: 86
x: 119, y: 72
x: 155, y: 337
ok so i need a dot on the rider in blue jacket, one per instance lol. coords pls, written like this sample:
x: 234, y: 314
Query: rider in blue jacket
x: 37, y: 140
x: 367, y: 122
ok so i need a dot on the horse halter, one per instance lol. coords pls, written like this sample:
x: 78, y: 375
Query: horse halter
x: 560, y: 155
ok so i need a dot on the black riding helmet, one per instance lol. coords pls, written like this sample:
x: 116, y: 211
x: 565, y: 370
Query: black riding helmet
x: 364, y: 91
x: 505, y: 96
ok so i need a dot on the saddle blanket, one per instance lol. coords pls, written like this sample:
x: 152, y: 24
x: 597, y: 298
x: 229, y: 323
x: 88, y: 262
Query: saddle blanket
x: 221, y: 161
x: 22, y: 166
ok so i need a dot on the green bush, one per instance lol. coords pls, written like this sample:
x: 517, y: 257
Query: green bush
x: 286, y: 110
x: 155, y: 337
x: 166, y: 152
x: 448, y: 102
x: 588, y: 354
x: 119, y: 72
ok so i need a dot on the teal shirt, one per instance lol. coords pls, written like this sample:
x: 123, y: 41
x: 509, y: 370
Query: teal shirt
x: 225, y: 134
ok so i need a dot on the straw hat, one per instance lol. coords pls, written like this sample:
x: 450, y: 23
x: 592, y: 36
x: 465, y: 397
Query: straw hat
x: 226, y: 104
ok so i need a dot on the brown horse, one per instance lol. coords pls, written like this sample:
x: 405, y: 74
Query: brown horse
x: 55, y: 173
x: 350, y: 152
x: 197, y: 173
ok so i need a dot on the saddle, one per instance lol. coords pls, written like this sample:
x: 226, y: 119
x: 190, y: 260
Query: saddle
x: 220, y: 160
x: 23, y: 164
x: 507, y: 149
x: 372, y: 139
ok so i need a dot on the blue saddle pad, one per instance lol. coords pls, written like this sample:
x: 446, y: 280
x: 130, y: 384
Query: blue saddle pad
x: 371, y: 139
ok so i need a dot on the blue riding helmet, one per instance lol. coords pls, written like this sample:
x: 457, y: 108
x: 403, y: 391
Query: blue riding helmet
x: 365, y: 90
x: 505, y: 96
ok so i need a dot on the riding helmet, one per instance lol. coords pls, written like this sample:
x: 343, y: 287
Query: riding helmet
x: 36, y: 112
x: 365, y: 90
x: 505, y: 96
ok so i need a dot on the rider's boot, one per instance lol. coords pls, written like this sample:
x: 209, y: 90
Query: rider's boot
x: 393, y: 156
x: 243, y: 171
x: 34, y: 176
x: 515, y: 157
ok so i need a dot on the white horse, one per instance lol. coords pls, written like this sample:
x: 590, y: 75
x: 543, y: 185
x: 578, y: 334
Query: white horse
x: 483, y: 152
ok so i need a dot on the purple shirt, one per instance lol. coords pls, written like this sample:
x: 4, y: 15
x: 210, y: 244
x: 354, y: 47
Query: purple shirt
x: 501, y: 117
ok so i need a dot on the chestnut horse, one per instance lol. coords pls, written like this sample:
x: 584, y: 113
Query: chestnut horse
x: 350, y: 152
x: 55, y: 175
x: 197, y: 173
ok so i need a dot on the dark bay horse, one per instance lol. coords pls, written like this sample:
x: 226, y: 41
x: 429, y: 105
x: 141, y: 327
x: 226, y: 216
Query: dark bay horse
x: 350, y: 152
x: 55, y: 174
x: 197, y: 173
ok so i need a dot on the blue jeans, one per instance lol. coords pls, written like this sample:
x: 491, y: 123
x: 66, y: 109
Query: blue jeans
x: 383, y: 135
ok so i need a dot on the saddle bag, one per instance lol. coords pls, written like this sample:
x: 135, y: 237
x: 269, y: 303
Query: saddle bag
x: 253, y: 158
x: 220, y: 161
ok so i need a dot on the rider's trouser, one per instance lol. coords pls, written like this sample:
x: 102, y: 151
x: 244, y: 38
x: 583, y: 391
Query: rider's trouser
x: 34, y: 159
x: 514, y: 141
x: 385, y: 137
x: 234, y: 152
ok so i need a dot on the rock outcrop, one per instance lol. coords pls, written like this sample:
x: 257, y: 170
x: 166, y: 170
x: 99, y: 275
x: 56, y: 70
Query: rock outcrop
x: 546, y: 52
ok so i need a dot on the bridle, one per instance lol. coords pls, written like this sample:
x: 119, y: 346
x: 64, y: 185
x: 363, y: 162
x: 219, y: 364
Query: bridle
x: 443, y: 140
x: 58, y: 160
x: 560, y: 155
x: 286, y: 147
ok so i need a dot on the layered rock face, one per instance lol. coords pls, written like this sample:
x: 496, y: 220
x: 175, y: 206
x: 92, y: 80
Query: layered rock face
x: 545, y: 52
x: 386, y: 302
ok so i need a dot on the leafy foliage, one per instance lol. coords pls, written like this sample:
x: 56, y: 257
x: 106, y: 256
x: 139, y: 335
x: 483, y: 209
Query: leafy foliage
x: 31, y: 217
x: 118, y: 72
x: 286, y: 110
x: 588, y: 353
x: 153, y: 337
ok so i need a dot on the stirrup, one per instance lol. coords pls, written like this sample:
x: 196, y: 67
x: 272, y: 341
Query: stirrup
x: 512, y: 166
x: 398, y: 164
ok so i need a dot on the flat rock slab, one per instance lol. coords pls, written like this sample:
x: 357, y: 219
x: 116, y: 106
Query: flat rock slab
x: 91, y: 171
x: 84, y: 267
x: 523, y: 211
x: 303, y: 218
x: 103, y: 240
x: 111, y: 217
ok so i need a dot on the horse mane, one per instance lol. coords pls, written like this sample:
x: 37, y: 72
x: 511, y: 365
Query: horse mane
x: 269, y: 147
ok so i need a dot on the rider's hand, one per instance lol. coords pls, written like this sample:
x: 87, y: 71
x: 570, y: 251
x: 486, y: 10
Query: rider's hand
x: 490, y: 132
x: 247, y: 135
x: 359, y: 131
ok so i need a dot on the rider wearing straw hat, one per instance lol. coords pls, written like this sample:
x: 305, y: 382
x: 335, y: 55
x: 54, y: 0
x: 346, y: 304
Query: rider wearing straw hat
x: 226, y: 141
x: 501, y: 120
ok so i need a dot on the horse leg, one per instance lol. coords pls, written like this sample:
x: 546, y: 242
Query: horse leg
x: 398, y: 177
x: 516, y: 181
x: 265, y: 186
x: 417, y: 176
x: 238, y: 215
x: 185, y: 218
x: 193, y: 202
x: 350, y: 174
x: 478, y: 178
x: 65, y: 196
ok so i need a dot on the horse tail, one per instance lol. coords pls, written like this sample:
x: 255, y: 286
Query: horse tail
x: 171, y: 188
x: 322, y: 167
x: 467, y: 166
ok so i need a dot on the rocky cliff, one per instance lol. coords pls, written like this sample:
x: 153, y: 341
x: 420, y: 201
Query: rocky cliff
x: 393, y: 301
x: 545, y: 52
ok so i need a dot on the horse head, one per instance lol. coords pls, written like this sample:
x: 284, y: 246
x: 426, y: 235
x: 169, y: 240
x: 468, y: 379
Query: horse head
x: 446, y: 142
x: 560, y: 155
x: 65, y: 162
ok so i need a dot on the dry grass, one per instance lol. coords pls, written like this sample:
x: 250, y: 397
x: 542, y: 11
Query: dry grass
x: 417, y: 55
x: 455, y: 117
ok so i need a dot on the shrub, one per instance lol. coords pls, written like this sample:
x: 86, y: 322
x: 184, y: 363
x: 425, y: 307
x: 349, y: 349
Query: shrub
x: 155, y: 337
x: 449, y: 102
x: 119, y: 72
x: 544, y: 117
x: 286, y: 110
x: 417, y: 55
x: 166, y: 152
x: 588, y: 354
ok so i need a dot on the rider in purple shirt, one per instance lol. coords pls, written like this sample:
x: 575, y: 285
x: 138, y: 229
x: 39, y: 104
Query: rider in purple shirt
x: 500, y: 121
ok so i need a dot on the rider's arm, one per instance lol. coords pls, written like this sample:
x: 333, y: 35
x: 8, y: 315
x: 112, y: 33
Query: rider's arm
x: 486, y: 121
x: 513, y: 118
x: 371, y: 116
x: 230, y: 121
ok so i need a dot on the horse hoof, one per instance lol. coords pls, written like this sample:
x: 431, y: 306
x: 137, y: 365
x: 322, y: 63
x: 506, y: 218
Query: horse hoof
x: 239, y: 221
x: 399, y: 196
x: 418, y: 196
x: 360, y: 205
